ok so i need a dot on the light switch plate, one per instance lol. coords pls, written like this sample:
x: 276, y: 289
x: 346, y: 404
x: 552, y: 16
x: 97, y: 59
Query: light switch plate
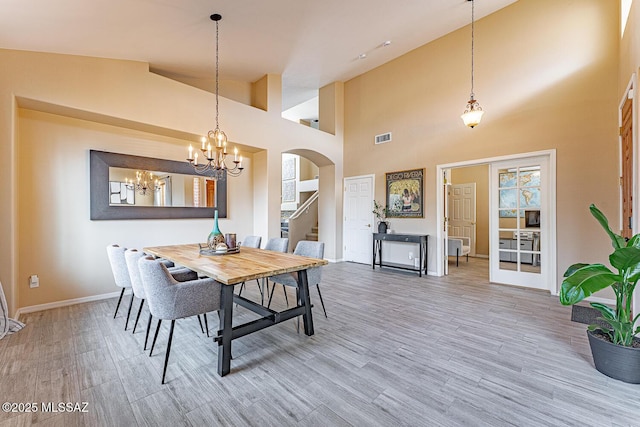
x: 34, y: 281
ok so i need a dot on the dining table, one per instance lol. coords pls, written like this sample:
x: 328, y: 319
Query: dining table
x: 238, y: 266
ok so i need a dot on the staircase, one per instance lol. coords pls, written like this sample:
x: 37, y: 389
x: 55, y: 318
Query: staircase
x: 305, y: 218
x: 313, y: 235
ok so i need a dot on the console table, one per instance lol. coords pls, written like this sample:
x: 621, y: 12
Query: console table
x: 420, y: 239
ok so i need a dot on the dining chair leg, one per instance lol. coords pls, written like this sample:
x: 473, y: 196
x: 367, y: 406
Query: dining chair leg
x: 457, y: 253
x: 126, y: 324
x: 273, y: 288
x: 206, y: 324
x: 146, y: 338
x: 322, y: 302
x: 241, y: 288
x: 166, y: 357
x: 138, y: 316
x: 155, y: 337
x: 284, y: 290
x: 200, y: 321
x: 119, y: 301
x: 259, y: 288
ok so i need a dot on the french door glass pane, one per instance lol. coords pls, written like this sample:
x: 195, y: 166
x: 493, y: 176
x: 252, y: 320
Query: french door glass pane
x: 519, y: 219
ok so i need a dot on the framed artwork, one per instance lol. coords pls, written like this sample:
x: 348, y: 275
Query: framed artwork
x: 288, y: 191
x: 121, y: 194
x: 405, y: 194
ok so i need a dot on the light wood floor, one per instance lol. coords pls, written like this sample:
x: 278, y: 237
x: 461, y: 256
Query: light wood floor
x: 397, y: 350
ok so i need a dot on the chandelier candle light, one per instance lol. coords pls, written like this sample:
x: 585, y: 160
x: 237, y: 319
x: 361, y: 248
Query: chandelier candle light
x: 142, y: 183
x: 473, y: 113
x: 214, y: 145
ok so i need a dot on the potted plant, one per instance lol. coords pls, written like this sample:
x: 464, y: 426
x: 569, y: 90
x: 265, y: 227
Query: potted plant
x: 615, y: 348
x: 381, y: 214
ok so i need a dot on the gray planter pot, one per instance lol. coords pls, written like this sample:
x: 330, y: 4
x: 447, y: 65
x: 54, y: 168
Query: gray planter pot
x: 615, y: 361
x: 382, y: 227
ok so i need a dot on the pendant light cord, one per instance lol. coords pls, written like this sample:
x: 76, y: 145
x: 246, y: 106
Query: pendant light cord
x: 472, y: 42
x: 217, y: 76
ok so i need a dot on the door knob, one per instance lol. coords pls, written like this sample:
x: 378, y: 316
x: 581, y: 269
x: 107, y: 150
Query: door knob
x: 368, y: 225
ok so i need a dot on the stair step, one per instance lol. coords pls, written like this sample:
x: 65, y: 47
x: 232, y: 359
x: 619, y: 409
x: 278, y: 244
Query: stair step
x: 312, y: 236
x: 314, y: 229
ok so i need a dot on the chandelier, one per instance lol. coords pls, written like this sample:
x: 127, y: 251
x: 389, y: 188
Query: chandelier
x: 214, y: 145
x: 473, y: 113
x: 144, y: 181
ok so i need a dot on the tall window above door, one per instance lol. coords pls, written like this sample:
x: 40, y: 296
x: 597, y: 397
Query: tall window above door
x: 625, y: 9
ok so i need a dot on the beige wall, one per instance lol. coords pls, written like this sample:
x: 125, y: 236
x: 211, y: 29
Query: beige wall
x: 546, y: 75
x: 630, y: 64
x: 480, y: 175
x: 126, y: 96
x: 630, y: 49
x: 308, y: 170
x: 58, y: 242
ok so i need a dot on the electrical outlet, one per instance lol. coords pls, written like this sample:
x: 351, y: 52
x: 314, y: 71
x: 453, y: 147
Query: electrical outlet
x: 34, y: 281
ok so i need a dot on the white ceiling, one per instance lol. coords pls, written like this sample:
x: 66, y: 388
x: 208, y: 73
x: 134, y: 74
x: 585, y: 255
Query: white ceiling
x: 309, y: 43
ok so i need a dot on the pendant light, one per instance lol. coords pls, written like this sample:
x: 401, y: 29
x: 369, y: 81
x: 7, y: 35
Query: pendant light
x: 214, y: 145
x: 473, y: 113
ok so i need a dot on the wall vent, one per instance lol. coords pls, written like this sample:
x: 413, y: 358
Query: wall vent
x: 382, y: 138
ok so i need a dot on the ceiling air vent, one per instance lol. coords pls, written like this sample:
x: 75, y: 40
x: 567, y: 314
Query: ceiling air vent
x: 382, y: 138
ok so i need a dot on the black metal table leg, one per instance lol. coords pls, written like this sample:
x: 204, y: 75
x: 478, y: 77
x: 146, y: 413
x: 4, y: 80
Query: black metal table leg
x: 305, y: 301
x: 226, y: 330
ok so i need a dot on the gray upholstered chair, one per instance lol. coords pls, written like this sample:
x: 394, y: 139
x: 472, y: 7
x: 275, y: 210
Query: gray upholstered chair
x: 278, y: 244
x: 120, y: 276
x: 170, y: 300
x: 251, y: 242
x: 309, y: 249
x: 181, y: 274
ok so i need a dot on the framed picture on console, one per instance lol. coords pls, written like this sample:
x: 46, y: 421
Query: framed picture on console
x: 405, y: 194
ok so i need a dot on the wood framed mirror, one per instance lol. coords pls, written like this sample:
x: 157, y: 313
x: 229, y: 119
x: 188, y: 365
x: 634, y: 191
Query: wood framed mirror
x: 175, y: 191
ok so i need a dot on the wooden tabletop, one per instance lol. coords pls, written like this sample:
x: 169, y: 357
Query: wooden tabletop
x: 230, y: 269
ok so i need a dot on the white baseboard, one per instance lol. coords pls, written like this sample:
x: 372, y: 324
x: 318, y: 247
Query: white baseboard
x: 65, y: 303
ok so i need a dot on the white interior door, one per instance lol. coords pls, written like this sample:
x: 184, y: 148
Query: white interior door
x: 358, y: 219
x: 462, y: 212
x: 520, y: 223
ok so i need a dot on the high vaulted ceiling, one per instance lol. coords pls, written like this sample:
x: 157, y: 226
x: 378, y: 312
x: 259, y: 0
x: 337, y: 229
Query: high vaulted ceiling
x: 309, y: 43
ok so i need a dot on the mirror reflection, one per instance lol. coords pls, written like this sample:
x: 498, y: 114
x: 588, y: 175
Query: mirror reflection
x: 131, y: 187
x: 172, y: 190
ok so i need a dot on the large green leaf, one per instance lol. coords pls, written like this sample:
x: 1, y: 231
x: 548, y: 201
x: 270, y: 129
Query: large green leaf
x: 627, y: 259
x: 585, y: 282
x: 634, y: 241
x: 572, y: 268
x: 607, y: 312
x: 616, y: 240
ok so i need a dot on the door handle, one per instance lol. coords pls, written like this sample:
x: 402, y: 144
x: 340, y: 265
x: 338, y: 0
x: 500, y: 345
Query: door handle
x: 368, y: 225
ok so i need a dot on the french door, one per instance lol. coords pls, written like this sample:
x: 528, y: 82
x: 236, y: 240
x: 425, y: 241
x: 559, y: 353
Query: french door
x: 520, y: 223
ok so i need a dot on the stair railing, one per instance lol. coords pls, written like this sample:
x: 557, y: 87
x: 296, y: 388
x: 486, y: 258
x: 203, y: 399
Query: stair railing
x: 303, y: 220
